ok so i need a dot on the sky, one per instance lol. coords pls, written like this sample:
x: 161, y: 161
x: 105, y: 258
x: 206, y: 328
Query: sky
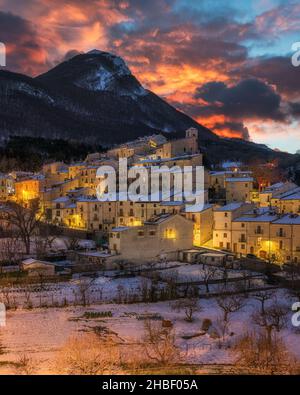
x: 225, y: 63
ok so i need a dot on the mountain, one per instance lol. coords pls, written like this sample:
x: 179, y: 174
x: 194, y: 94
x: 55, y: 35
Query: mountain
x: 92, y: 97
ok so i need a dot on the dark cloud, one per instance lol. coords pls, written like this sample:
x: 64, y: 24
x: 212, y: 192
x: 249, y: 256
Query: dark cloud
x: 24, y: 52
x: 278, y: 71
x: 294, y: 109
x: 236, y: 128
x: 248, y: 99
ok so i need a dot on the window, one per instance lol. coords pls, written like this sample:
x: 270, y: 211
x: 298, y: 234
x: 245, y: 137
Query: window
x: 169, y: 233
x: 281, y: 245
x: 225, y: 235
x: 152, y: 233
x: 243, y: 225
x: 225, y: 214
x: 242, y: 246
x: 140, y: 233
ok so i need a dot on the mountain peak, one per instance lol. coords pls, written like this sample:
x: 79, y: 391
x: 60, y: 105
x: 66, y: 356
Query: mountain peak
x: 97, y: 71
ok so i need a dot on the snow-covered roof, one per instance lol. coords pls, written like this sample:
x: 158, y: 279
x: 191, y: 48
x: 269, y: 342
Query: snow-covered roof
x: 31, y: 261
x: 97, y: 254
x: 294, y: 196
x: 62, y: 199
x: 267, y: 217
x: 198, y: 208
x: 240, y: 179
x: 228, y: 164
x: 172, y: 203
x: 230, y: 206
x: 290, y: 219
x: 158, y: 219
x: 120, y: 228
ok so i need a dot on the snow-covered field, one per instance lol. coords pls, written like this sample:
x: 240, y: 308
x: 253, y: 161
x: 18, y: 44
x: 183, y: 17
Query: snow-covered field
x: 40, y: 333
x: 44, y: 316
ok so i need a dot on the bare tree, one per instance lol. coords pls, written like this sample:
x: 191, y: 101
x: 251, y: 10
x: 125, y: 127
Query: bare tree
x: 263, y: 297
x: 229, y: 305
x: 43, y: 243
x: 83, y: 286
x: 259, y: 355
x: 208, y: 274
x: 189, y: 306
x: 159, y: 344
x: 273, y: 318
x: 89, y: 354
x: 25, y: 365
x: 24, y: 220
x: 9, y: 251
x: 71, y: 243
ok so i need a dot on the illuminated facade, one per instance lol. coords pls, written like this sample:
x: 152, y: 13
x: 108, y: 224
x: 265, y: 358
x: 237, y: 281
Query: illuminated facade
x: 161, y: 238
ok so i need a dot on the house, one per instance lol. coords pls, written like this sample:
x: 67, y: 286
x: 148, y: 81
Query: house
x: 7, y: 188
x: 29, y: 188
x: 213, y: 258
x: 173, y: 148
x: 91, y: 260
x: 223, y: 217
x: 274, y: 191
x: 162, y: 237
x: 238, y: 189
x: 37, y: 268
x: 203, y: 219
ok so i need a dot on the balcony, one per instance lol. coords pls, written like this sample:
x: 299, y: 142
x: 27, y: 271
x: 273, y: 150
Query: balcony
x: 242, y: 240
x: 108, y: 221
x: 259, y: 231
x: 281, y: 234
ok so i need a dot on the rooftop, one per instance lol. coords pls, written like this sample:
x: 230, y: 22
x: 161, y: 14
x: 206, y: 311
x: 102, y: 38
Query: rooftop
x: 240, y: 179
x: 267, y: 217
x: 230, y: 206
x: 198, y: 208
x: 291, y: 219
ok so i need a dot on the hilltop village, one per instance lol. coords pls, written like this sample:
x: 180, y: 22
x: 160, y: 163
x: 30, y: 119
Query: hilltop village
x: 239, y: 216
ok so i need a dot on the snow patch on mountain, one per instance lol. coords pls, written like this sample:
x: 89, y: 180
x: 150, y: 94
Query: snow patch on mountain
x: 30, y: 90
x: 110, y: 73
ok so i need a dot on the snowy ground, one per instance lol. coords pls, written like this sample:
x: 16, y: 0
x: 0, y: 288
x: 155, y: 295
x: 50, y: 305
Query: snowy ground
x: 40, y: 333
x: 55, y: 315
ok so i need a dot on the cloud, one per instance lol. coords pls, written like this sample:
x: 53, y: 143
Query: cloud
x: 247, y: 99
x: 23, y: 46
x: 278, y: 71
